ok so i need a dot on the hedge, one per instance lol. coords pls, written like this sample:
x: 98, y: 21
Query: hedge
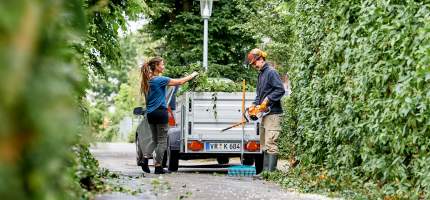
x: 359, y: 114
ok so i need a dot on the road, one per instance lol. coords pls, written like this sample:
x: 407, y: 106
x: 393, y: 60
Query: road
x: 197, y: 179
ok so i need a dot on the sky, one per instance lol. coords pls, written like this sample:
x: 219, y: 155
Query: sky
x: 133, y: 26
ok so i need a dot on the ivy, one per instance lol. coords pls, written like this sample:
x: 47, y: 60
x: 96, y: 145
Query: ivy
x: 359, y: 111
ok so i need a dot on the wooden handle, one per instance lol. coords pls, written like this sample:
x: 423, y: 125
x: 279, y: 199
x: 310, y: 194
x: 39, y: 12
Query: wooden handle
x: 243, y: 100
x: 232, y: 126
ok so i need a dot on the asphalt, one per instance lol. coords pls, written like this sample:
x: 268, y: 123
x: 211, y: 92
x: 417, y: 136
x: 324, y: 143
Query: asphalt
x: 195, y: 179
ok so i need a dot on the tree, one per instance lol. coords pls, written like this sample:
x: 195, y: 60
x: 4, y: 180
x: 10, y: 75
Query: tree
x: 179, y: 27
x: 118, y: 88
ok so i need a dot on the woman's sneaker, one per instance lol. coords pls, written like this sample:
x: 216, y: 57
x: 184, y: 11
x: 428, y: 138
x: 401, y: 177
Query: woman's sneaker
x: 160, y: 170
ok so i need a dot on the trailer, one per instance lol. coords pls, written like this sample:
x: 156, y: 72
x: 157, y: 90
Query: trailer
x: 200, y: 117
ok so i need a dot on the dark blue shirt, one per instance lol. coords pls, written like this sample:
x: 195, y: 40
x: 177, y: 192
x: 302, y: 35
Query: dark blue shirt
x: 157, y: 93
x: 269, y: 85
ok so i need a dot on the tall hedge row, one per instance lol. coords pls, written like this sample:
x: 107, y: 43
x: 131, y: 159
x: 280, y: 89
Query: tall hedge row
x: 360, y: 107
x: 39, y: 116
x: 47, y: 50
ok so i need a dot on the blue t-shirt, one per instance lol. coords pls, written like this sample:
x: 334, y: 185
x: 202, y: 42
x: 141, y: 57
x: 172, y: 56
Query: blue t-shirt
x: 157, y: 93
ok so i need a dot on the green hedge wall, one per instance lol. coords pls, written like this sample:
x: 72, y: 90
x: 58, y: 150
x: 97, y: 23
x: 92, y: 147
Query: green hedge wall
x: 360, y: 107
x: 39, y: 85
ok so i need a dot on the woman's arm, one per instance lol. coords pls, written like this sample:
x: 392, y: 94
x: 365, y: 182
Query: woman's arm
x: 180, y: 81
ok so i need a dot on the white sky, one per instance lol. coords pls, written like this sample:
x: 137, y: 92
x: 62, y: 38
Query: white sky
x: 133, y: 26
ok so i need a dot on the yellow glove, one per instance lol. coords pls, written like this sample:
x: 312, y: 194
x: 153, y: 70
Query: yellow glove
x: 263, y: 106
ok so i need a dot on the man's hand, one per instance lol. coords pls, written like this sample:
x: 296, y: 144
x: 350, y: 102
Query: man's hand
x: 263, y: 106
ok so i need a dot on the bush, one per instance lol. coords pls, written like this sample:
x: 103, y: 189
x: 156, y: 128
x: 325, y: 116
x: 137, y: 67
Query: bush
x: 359, y: 112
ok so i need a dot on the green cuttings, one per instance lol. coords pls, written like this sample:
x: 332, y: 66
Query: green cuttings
x: 204, y: 83
x: 89, y: 175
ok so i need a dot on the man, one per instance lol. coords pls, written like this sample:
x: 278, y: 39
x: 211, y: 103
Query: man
x: 270, y: 90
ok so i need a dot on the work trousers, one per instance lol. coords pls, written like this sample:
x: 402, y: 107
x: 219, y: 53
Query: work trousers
x: 270, y: 129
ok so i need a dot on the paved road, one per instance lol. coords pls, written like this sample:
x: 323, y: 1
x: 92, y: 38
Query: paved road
x: 197, y: 179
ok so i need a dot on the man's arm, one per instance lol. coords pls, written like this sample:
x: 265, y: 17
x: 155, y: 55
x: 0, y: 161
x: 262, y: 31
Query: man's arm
x: 256, y: 100
x: 278, y: 90
x: 257, y: 96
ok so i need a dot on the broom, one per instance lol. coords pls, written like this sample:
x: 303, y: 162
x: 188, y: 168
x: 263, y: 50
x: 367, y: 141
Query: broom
x: 242, y: 170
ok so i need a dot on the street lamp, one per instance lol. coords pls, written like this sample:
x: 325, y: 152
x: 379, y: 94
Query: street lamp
x: 205, y: 12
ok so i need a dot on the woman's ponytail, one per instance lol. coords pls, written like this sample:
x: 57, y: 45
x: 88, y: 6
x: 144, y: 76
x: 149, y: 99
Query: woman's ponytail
x: 146, y: 73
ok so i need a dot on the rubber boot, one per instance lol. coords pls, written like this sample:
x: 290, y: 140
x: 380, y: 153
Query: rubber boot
x: 265, y: 166
x: 272, y: 160
x: 265, y: 161
x: 145, y: 166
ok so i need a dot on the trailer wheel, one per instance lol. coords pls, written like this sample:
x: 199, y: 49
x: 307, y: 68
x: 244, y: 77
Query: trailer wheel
x: 222, y: 160
x: 172, y: 160
x: 164, y: 163
x: 248, y: 159
x: 258, y: 163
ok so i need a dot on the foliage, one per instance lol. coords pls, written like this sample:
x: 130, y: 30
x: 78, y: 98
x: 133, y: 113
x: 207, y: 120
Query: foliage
x: 106, y: 18
x: 107, y: 85
x: 47, y: 50
x: 179, y: 27
x: 204, y: 83
x: 107, y: 58
x: 118, y: 89
x: 359, y: 112
x: 93, y: 179
x: 267, y: 22
x: 40, y: 82
x: 87, y: 169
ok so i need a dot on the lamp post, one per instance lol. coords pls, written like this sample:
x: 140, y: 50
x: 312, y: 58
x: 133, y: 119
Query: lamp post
x: 205, y: 12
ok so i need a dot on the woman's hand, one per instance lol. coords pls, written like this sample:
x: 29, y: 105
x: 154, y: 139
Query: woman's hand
x: 194, y: 74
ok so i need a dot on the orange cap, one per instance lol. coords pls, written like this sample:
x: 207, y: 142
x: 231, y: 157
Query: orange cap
x: 254, y: 55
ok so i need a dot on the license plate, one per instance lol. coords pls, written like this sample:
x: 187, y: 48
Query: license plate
x: 222, y: 146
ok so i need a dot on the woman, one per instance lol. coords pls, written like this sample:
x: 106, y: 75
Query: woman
x: 153, y: 86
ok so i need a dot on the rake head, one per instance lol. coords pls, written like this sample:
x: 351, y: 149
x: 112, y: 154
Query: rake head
x: 241, y: 170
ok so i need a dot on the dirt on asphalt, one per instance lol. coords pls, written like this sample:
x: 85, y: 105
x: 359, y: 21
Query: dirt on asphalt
x: 195, y: 179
